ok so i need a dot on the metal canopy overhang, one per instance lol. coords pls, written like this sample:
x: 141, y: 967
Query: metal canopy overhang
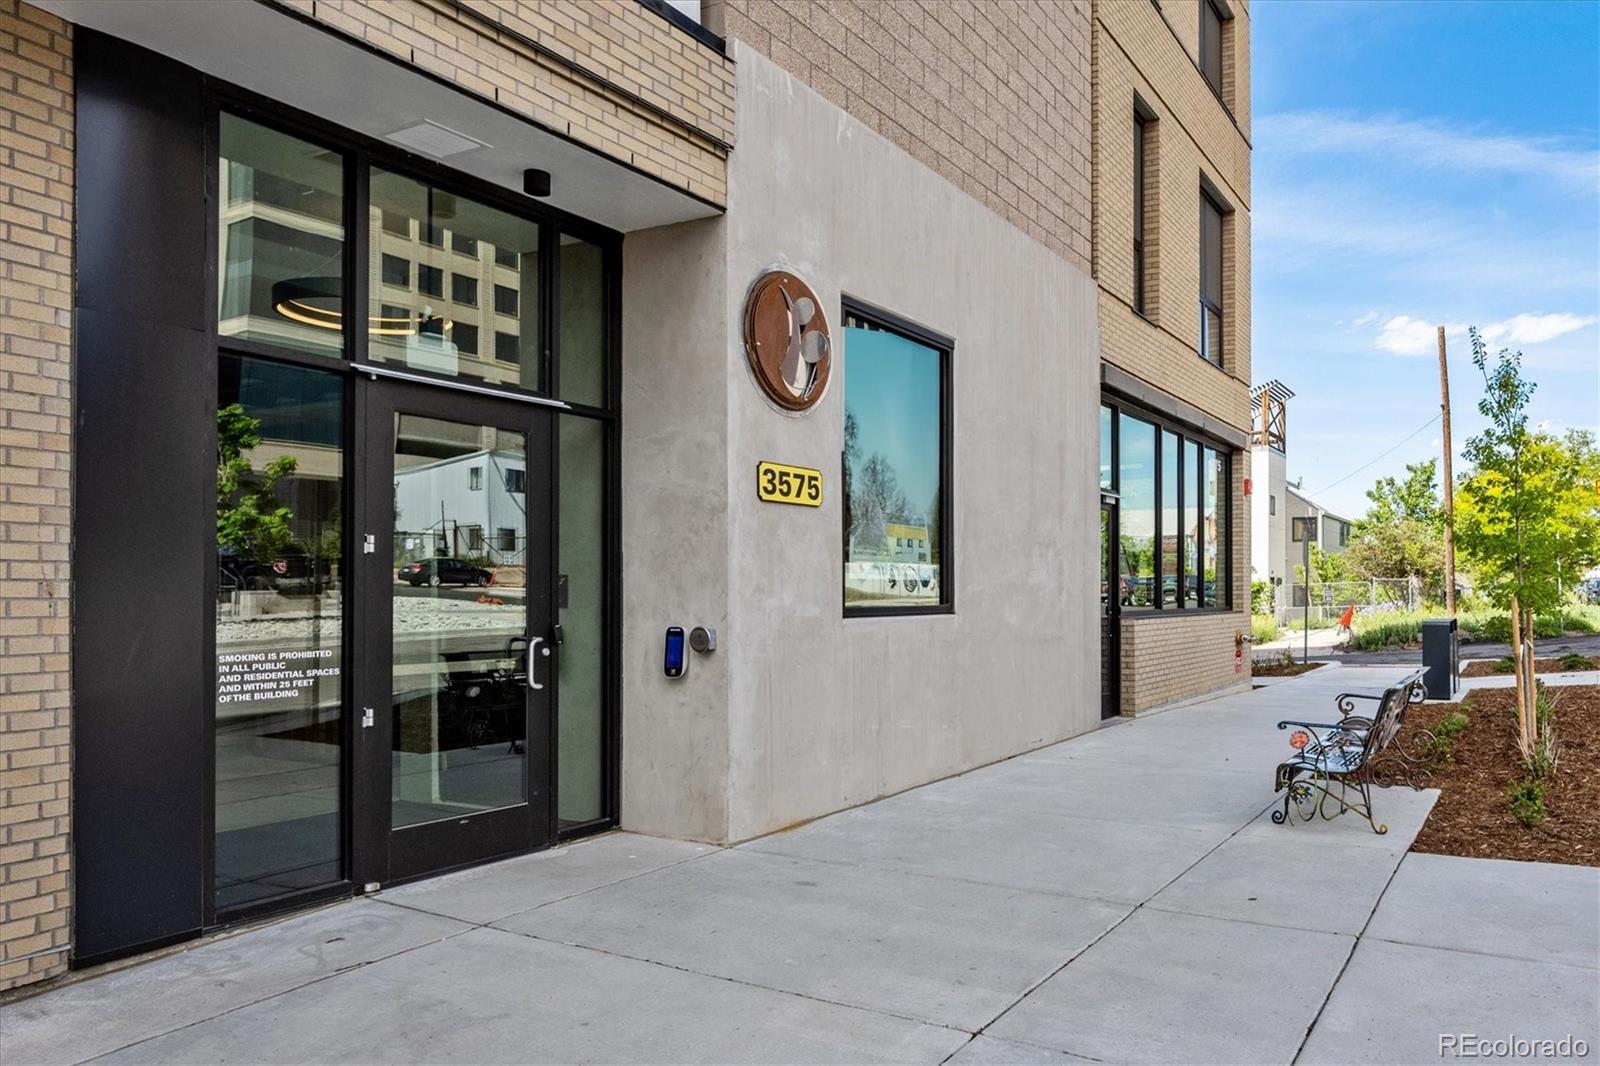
x: 281, y: 57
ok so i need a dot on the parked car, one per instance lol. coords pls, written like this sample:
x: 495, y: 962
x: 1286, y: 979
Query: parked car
x: 443, y: 572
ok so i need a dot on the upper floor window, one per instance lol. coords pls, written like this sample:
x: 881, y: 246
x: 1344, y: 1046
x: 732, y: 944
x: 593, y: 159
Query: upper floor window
x: 1140, y: 135
x: 1211, y: 335
x: 1211, y: 21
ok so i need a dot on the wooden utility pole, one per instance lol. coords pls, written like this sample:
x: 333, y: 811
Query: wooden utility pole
x: 1449, y: 486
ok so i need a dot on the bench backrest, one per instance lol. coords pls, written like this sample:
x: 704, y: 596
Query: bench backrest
x: 1391, y: 714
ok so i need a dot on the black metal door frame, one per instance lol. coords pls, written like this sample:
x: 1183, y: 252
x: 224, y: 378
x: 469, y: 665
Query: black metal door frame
x: 1110, y: 612
x: 381, y: 854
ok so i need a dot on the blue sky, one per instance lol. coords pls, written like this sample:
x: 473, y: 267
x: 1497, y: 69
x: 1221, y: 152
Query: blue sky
x: 1415, y: 165
x: 895, y: 383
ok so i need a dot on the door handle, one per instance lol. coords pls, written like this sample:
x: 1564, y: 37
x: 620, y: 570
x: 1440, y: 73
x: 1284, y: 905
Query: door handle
x: 535, y: 642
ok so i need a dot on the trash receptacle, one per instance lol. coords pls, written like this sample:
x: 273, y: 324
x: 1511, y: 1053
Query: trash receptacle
x: 1441, y: 657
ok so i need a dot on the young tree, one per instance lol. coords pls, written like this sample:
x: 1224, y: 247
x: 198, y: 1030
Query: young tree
x: 250, y: 520
x: 1527, y: 515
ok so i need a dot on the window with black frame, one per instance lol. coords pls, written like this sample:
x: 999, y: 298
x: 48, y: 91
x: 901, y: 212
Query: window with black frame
x: 1141, y: 136
x: 1173, y: 540
x: 1211, y: 336
x: 896, y: 467
x: 456, y: 287
x: 1211, y: 30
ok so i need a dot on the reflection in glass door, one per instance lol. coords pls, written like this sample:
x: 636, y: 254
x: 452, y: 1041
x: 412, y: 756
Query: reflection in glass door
x: 1112, y: 583
x: 279, y: 733
x: 460, y: 631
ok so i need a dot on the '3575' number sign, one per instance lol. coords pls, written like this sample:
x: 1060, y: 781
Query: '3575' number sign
x: 777, y: 483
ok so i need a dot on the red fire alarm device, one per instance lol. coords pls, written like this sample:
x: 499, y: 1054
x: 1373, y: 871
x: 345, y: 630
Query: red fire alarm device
x: 1247, y: 486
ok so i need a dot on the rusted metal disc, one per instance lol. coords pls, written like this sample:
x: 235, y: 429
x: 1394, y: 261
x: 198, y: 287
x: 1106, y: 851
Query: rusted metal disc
x: 787, y: 340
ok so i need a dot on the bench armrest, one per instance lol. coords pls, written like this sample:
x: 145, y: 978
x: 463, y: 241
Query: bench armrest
x: 1312, y: 725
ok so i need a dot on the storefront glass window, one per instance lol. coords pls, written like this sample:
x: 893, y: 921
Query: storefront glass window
x: 489, y: 250
x: 894, y: 462
x: 582, y: 352
x: 1215, y: 475
x: 1105, y: 447
x: 280, y: 477
x: 1174, y: 557
x: 580, y: 602
x: 1191, y: 524
x: 281, y: 230
x: 1136, y: 448
x: 1170, y: 524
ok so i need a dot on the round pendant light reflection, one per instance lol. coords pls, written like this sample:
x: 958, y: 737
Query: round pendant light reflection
x: 319, y: 302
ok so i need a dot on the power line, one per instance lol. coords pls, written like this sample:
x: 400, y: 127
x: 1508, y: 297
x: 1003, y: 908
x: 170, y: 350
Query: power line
x: 1375, y: 458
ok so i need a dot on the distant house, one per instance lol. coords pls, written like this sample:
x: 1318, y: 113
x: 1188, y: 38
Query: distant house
x: 906, y: 543
x: 1275, y: 548
x: 468, y: 505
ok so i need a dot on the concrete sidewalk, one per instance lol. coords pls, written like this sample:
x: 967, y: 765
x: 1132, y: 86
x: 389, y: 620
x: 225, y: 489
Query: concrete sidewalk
x: 1119, y: 897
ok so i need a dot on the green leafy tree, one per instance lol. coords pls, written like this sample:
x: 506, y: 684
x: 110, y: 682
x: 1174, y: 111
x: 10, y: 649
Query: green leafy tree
x: 1414, y: 498
x: 1402, y: 533
x: 1528, y: 521
x: 250, y: 519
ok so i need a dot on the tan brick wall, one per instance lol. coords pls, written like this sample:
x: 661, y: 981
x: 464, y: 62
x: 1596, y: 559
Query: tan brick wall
x: 36, y: 196
x: 1140, y: 49
x: 991, y: 94
x: 608, y: 73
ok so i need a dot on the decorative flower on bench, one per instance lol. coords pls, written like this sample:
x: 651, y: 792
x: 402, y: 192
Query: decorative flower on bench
x: 1299, y: 739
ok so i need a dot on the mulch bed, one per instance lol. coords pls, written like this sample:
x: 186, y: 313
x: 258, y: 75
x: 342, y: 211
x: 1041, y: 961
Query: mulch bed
x: 1486, y: 668
x: 1281, y: 669
x: 1473, y: 817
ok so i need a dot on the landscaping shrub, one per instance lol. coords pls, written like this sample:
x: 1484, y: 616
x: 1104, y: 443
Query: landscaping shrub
x: 1527, y: 801
x: 1450, y: 726
x: 1385, y: 629
x: 1504, y: 665
x: 1394, y: 629
x: 1264, y: 628
x: 1574, y: 662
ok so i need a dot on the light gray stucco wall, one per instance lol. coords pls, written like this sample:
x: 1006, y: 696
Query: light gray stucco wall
x: 825, y: 713
x: 675, y: 540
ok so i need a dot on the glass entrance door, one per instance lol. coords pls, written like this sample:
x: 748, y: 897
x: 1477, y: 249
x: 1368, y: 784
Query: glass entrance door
x: 464, y: 652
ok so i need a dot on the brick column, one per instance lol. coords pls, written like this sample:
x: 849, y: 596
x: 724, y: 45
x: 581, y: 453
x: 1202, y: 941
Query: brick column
x: 36, y: 201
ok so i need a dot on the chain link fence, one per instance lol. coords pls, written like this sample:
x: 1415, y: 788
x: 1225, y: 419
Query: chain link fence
x: 1330, y: 599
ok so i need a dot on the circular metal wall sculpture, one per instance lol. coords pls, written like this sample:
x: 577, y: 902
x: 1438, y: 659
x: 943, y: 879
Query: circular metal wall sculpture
x: 787, y: 341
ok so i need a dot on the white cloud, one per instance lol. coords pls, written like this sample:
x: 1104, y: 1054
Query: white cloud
x: 1535, y: 329
x: 1405, y: 335
x: 1429, y: 145
x: 1366, y: 319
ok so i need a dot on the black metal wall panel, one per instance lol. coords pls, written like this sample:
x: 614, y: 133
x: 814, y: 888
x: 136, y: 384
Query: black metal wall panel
x: 143, y: 467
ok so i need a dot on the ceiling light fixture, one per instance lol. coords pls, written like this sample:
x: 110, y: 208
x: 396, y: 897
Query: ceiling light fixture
x: 319, y: 302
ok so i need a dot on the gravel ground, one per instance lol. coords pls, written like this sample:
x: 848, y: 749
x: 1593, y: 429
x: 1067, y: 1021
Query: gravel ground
x: 411, y: 615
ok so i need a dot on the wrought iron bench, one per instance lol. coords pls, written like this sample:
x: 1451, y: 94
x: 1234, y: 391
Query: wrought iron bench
x: 1337, y: 764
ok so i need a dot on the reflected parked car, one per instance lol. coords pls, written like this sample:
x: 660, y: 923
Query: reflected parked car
x: 443, y: 572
